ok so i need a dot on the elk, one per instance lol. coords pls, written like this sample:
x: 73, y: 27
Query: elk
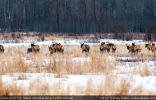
x: 60, y: 48
x: 148, y: 46
x: 153, y: 47
x: 113, y: 48
x: 56, y: 48
x: 130, y: 48
x: 1, y: 48
x: 51, y: 48
x: 29, y: 50
x: 136, y: 48
x: 35, y: 48
x: 103, y: 47
x: 108, y: 47
x: 111, y: 44
x: 85, y: 48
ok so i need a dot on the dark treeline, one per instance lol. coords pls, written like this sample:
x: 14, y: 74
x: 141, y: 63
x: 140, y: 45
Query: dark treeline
x: 82, y: 16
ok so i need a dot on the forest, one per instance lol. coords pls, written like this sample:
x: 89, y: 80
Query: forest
x: 78, y: 16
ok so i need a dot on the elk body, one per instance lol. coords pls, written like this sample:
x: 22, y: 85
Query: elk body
x: 29, y: 50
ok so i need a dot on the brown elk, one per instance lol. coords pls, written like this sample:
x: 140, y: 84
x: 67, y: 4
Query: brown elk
x: 113, y: 48
x: 56, y: 48
x: 136, y: 48
x: 108, y: 47
x: 1, y: 48
x: 111, y: 44
x: 35, y: 48
x: 103, y: 47
x: 130, y: 48
x: 29, y: 50
x: 60, y: 48
x: 153, y: 47
x: 148, y: 46
x: 85, y: 48
x: 51, y: 48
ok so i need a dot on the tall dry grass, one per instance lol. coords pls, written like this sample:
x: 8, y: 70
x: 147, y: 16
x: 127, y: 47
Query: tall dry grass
x: 108, y: 87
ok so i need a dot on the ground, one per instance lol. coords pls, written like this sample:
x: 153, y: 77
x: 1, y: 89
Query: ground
x: 77, y: 73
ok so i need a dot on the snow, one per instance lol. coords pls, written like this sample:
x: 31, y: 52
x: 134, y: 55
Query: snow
x: 123, y: 58
x: 77, y: 59
x: 80, y: 80
x: 148, y: 82
x: 12, y: 43
x: 120, y: 42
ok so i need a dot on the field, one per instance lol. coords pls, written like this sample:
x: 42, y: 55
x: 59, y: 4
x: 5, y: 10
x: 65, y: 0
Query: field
x: 77, y: 73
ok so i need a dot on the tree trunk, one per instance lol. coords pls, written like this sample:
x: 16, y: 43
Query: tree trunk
x: 95, y: 15
x: 58, y: 17
x: 123, y: 36
x: 24, y: 19
x: 4, y: 16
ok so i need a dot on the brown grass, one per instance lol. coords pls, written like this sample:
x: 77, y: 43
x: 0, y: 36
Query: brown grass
x: 9, y: 89
x: 25, y: 38
x: 145, y: 71
x: 123, y: 88
x: 53, y: 38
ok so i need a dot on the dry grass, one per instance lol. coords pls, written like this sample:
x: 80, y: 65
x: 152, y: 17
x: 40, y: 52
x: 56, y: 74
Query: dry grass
x: 8, y: 89
x: 145, y: 71
x: 108, y: 87
x: 25, y: 38
x: 53, y: 38
x: 123, y: 88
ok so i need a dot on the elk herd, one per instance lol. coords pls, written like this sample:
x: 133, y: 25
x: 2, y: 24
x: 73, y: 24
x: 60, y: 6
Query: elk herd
x: 52, y: 48
x: 57, y: 47
x: 134, y: 48
x: 150, y: 47
x: 107, y: 47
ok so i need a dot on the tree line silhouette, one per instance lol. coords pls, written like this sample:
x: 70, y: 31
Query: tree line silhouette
x: 80, y: 16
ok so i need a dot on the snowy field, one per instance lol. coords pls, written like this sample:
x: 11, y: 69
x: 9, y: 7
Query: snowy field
x: 70, y: 43
x: 140, y: 75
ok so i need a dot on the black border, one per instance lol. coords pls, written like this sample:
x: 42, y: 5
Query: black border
x: 77, y: 97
